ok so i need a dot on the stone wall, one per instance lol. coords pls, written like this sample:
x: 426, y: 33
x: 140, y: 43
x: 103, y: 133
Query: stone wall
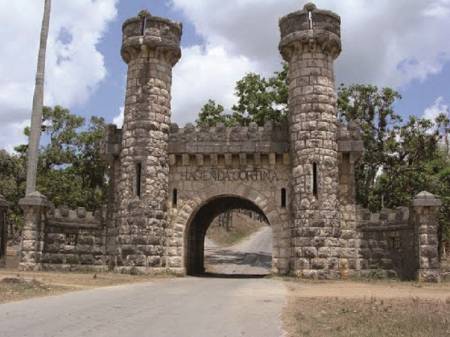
x: 252, y: 139
x: 387, y: 242
x: 74, y: 240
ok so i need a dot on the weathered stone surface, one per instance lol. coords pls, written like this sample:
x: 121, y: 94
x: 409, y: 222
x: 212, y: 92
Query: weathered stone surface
x: 310, y: 47
x: 169, y: 182
x: 34, y: 207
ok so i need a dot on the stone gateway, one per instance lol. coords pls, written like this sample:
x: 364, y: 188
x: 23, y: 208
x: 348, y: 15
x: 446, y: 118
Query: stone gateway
x: 168, y: 183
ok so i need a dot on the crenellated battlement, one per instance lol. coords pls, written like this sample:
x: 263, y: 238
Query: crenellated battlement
x: 270, y: 138
x: 79, y: 217
x: 383, y: 219
x: 220, y: 139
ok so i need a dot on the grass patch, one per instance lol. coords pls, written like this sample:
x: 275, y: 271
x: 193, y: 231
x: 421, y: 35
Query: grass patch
x: 15, y: 286
x: 341, y: 317
x: 18, y: 288
x: 242, y: 227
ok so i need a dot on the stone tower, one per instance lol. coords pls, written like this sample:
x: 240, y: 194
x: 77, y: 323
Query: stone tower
x: 310, y: 43
x: 151, y: 47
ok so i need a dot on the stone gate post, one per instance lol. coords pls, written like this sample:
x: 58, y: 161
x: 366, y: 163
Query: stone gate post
x: 3, y: 230
x: 151, y: 47
x: 34, y: 208
x: 310, y: 43
x: 426, y: 209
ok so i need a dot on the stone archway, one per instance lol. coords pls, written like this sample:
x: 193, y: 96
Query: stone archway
x: 236, y: 196
x: 199, y: 223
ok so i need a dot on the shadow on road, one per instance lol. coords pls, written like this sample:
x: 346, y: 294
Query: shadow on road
x: 224, y: 256
x: 232, y: 276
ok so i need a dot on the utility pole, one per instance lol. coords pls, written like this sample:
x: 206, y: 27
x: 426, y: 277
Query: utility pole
x: 38, y: 103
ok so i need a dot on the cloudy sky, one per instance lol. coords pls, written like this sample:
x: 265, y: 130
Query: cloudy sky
x: 401, y: 43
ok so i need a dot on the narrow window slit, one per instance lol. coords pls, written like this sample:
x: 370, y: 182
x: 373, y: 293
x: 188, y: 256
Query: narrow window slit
x: 310, y: 20
x: 138, y: 179
x: 283, y: 198
x: 315, y: 180
x: 143, y: 25
x: 174, y: 197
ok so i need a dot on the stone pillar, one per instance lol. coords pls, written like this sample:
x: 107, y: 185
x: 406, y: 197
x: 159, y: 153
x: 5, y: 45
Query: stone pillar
x: 151, y: 47
x: 110, y: 152
x: 3, y: 230
x: 426, y: 209
x: 310, y: 42
x: 34, y: 208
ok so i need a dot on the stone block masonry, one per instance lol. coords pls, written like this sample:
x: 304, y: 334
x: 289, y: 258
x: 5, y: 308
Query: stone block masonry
x: 151, y: 47
x: 310, y: 42
x: 75, y: 241
x: 168, y: 183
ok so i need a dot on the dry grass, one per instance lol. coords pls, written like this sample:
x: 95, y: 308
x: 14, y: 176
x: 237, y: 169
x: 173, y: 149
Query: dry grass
x: 242, y: 227
x: 367, y: 317
x: 15, y: 286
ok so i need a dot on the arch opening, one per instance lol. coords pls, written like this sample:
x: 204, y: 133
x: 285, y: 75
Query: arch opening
x: 202, y: 219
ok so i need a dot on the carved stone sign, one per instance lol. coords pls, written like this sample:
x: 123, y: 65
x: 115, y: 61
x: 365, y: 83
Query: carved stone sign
x: 223, y: 174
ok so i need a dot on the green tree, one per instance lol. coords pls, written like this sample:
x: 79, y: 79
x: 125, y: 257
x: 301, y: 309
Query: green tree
x: 372, y: 109
x: 407, y: 170
x: 401, y: 159
x: 212, y: 114
x: 12, y: 187
x: 71, y: 171
x: 261, y: 100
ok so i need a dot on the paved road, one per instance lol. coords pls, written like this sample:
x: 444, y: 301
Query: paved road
x: 253, y: 256
x: 187, y: 307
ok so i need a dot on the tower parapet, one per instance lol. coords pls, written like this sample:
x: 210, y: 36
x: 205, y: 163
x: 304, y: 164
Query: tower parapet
x: 310, y: 30
x: 151, y: 33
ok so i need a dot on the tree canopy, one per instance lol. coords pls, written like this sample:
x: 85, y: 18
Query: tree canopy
x: 260, y: 100
x: 70, y: 170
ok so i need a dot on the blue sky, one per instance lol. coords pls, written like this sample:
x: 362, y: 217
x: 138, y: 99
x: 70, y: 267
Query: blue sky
x: 110, y: 95
x: 403, y: 44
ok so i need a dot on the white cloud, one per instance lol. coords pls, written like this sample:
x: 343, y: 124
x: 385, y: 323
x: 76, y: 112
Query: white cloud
x: 74, y: 65
x: 13, y: 135
x: 438, y: 9
x: 118, y: 120
x: 205, y: 73
x: 439, y: 106
x: 384, y: 42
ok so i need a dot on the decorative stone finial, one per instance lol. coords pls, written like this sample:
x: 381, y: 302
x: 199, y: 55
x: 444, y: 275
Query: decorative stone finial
x: 144, y: 13
x: 309, y: 7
